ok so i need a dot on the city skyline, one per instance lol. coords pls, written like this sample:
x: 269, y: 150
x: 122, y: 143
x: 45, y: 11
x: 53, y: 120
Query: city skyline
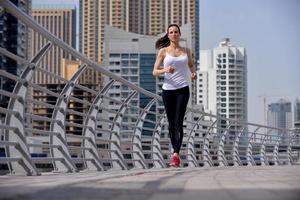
x: 268, y: 30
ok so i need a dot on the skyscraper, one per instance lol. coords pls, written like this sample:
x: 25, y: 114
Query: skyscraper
x: 279, y: 115
x: 297, y: 114
x: 222, y: 81
x: 14, y: 37
x: 61, y: 21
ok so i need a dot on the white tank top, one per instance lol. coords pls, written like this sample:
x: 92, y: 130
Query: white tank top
x: 179, y: 78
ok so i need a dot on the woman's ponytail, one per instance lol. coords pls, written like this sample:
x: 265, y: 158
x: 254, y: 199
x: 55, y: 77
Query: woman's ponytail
x: 162, y: 42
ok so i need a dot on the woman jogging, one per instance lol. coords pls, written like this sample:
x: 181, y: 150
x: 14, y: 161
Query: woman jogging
x: 175, y: 90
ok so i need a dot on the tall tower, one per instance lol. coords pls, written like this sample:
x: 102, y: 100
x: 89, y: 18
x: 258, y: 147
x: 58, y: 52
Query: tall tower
x: 222, y: 81
x: 279, y: 115
x: 14, y: 37
x: 61, y: 21
x: 297, y: 114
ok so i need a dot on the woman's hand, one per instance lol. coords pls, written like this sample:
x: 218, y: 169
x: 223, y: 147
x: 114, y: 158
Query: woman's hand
x: 193, y: 76
x: 170, y: 69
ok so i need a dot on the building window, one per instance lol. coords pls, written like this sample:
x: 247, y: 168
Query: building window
x: 114, y: 55
x: 125, y: 55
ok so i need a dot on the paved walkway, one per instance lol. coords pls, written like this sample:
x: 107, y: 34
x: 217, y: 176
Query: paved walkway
x: 231, y: 183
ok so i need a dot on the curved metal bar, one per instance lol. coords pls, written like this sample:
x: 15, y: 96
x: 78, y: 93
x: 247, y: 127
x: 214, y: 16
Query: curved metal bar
x: 90, y: 132
x: 158, y: 159
x: 263, y: 156
x: 250, y: 160
x: 235, y: 154
x: 289, y: 148
x: 221, y: 152
x: 2, y: 11
x: 17, y: 120
x: 275, y: 151
x: 205, y: 151
x: 190, y: 144
x: 137, y: 141
x: 58, y: 126
x: 116, y: 152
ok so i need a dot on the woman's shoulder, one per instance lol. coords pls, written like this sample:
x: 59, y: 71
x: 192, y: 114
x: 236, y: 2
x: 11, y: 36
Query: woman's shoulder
x: 162, y: 51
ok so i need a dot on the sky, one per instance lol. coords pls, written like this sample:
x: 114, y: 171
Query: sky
x: 269, y: 31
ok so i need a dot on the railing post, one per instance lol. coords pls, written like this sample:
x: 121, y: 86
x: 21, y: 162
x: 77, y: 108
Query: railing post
x: 17, y: 120
x: 263, y: 156
x: 206, y: 151
x: 58, y: 126
x: 190, y: 144
x: 90, y: 132
x: 235, y: 154
x: 156, y: 148
x: 250, y: 160
x: 275, y: 151
x: 137, y: 140
x: 116, y: 128
x: 221, y: 152
x: 289, y: 148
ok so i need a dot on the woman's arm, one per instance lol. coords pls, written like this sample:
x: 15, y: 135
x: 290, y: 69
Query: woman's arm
x: 191, y: 65
x: 157, y: 70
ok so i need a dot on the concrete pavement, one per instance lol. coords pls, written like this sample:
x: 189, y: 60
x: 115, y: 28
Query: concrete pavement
x: 226, y: 183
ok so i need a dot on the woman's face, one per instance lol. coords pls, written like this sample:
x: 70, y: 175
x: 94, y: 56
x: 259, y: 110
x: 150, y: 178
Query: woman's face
x: 173, y: 34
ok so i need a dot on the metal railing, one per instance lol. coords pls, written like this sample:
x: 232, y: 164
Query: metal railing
x: 66, y: 127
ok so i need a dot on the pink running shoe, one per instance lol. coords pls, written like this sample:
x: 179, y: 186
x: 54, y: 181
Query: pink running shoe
x: 174, y: 161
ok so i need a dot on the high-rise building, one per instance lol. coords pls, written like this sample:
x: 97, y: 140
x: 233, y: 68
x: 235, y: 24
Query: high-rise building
x: 148, y: 17
x: 279, y: 115
x: 14, y: 37
x: 297, y: 114
x: 61, y: 21
x: 222, y: 82
x: 297, y: 120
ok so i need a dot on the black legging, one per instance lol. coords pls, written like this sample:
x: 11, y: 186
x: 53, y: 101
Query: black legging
x: 175, y: 102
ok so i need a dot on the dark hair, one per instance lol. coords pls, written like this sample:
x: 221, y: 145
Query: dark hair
x: 164, y: 41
